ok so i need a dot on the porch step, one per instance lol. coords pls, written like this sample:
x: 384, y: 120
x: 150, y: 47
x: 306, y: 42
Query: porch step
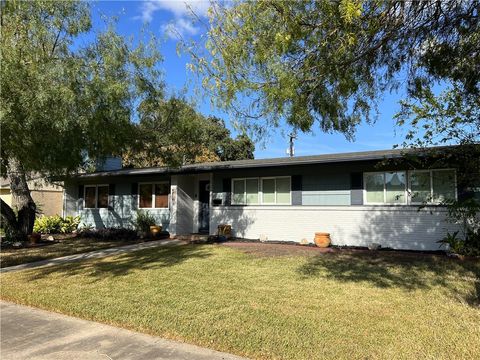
x: 194, y: 238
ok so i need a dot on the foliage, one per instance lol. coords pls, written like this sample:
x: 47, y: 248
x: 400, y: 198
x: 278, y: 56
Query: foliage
x: 174, y: 133
x: 328, y: 62
x: 66, y: 101
x: 466, y: 214
x: 56, y: 224
x: 143, y: 221
x: 114, y: 234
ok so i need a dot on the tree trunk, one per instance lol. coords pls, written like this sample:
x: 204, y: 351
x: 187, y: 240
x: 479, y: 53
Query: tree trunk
x: 22, y: 200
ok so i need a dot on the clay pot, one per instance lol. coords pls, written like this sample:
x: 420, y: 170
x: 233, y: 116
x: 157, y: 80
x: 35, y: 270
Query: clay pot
x: 34, y: 238
x: 322, y: 240
x: 154, y: 230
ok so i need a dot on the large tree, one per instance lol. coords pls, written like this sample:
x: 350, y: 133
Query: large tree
x: 67, y: 94
x: 171, y: 132
x: 327, y: 63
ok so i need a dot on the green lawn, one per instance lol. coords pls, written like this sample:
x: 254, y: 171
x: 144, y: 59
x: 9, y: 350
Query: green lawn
x: 11, y: 257
x: 309, y: 306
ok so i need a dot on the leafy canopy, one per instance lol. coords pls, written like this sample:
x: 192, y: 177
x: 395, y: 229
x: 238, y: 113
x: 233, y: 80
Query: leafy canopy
x: 173, y: 133
x: 65, y: 98
x: 328, y: 62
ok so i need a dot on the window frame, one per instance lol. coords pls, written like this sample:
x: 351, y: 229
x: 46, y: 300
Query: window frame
x: 153, y: 194
x: 408, y: 187
x: 96, y: 186
x: 260, y: 190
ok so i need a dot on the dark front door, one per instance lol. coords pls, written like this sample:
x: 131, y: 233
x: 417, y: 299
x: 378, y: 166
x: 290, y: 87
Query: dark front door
x: 204, y: 206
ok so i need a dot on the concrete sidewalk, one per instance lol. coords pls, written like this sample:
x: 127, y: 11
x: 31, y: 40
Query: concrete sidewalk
x: 92, y: 255
x: 29, y: 333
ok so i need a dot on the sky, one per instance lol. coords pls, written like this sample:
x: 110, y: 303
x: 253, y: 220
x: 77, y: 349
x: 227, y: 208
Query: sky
x: 168, y: 18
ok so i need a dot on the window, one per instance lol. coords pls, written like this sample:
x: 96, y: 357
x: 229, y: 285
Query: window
x: 273, y: 191
x: 96, y: 196
x: 443, y: 185
x: 238, y: 192
x: 386, y: 187
x: 268, y: 191
x: 153, y: 195
x: 374, y: 185
x: 420, y: 186
x: 395, y: 186
x: 424, y: 186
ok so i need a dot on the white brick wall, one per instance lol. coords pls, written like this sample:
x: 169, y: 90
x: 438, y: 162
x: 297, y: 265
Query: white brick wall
x: 398, y: 227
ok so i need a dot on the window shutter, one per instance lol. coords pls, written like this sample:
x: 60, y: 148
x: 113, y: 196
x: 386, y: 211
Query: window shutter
x: 356, y: 188
x: 134, y: 196
x: 297, y: 190
x: 111, y: 196
x: 227, y: 191
x: 80, y: 197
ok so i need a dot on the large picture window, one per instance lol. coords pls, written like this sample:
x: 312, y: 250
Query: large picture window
x: 386, y: 188
x: 266, y: 191
x: 153, y: 195
x: 96, y: 196
x: 422, y: 187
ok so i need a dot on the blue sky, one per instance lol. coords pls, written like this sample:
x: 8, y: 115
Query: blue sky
x: 168, y: 18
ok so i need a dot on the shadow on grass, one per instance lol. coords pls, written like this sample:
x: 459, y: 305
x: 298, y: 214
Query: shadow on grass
x: 400, y: 270
x: 120, y: 265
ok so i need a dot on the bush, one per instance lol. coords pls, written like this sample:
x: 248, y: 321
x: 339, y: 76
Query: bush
x: 110, y: 234
x: 56, y: 224
x: 143, y: 221
x: 465, y: 214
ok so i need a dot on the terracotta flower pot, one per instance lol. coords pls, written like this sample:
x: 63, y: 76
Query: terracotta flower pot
x: 34, y: 238
x: 154, y: 230
x: 322, y: 240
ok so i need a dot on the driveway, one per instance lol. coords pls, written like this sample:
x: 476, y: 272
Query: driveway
x: 28, y: 333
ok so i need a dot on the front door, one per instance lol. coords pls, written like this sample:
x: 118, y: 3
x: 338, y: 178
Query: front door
x: 204, y: 206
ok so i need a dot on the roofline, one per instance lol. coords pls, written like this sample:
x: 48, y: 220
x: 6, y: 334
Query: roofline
x: 262, y: 163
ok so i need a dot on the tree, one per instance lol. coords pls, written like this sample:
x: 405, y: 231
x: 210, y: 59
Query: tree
x: 172, y: 133
x: 63, y: 102
x: 328, y: 62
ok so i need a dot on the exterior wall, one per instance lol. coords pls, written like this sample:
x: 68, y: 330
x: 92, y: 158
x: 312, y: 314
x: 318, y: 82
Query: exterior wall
x: 48, y: 202
x: 183, y: 189
x: 122, y: 209
x: 397, y: 227
x: 6, y: 196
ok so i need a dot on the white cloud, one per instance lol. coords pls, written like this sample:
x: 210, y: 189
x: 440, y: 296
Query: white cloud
x: 180, y: 28
x: 179, y: 8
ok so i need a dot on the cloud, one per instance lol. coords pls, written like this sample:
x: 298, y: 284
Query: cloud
x: 179, y: 8
x: 180, y: 28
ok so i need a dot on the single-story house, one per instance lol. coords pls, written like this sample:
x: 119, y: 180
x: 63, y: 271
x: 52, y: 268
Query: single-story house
x: 284, y: 199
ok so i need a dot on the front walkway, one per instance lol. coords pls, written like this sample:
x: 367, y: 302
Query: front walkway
x: 92, y: 255
x: 28, y: 333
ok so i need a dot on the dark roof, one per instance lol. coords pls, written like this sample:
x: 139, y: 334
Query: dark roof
x: 258, y: 163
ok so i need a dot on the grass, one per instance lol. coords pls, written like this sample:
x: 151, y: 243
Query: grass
x: 11, y: 257
x: 329, y: 306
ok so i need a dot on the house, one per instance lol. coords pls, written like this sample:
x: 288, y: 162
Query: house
x: 48, y: 197
x: 285, y: 199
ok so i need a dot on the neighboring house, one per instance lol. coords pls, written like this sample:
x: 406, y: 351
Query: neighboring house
x: 286, y: 199
x: 48, y: 197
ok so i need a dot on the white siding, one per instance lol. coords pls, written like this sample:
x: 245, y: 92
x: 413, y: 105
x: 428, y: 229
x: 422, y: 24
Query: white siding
x: 397, y: 227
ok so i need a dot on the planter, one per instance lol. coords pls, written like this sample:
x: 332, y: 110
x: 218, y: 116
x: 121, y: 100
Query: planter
x: 154, y: 230
x: 322, y: 240
x: 34, y: 238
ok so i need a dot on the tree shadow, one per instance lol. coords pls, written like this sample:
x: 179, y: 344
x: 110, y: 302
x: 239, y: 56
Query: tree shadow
x: 388, y: 269
x: 124, y: 264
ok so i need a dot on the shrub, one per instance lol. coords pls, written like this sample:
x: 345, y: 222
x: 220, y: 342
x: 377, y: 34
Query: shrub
x: 143, y: 221
x: 465, y: 214
x: 56, y: 224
